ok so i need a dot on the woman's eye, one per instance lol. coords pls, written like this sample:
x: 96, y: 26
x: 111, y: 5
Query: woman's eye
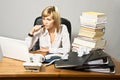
x: 49, y: 19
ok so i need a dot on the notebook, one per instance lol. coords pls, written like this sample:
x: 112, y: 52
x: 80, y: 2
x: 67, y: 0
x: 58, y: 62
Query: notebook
x: 14, y: 48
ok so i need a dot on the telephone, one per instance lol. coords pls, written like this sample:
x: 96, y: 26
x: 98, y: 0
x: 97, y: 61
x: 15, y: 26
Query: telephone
x: 35, y: 62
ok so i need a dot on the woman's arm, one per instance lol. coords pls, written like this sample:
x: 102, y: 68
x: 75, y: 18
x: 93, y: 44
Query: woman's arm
x: 33, y: 36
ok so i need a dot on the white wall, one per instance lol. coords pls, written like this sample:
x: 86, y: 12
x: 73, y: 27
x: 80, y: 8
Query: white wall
x: 17, y: 17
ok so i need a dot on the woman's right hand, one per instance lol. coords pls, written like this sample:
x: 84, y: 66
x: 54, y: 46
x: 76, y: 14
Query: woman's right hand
x: 35, y: 29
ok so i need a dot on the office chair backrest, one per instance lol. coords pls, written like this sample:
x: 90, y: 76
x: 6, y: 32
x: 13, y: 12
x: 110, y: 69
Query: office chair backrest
x: 38, y: 21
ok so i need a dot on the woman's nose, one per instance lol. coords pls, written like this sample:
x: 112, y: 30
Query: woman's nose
x: 45, y: 22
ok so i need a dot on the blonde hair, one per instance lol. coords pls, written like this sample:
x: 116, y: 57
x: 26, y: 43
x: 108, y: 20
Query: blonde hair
x: 56, y: 16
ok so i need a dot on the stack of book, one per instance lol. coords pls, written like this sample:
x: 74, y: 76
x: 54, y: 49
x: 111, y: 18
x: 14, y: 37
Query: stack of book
x: 89, y: 45
x: 88, y: 52
x: 91, y: 33
x: 96, y: 61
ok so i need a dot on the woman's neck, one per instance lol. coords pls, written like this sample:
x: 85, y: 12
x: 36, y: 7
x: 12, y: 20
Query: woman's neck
x: 52, y: 30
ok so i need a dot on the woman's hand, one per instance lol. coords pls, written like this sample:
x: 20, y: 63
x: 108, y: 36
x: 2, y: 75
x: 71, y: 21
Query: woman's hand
x: 42, y: 51
x: 46, y: 50
x: 35, y: 29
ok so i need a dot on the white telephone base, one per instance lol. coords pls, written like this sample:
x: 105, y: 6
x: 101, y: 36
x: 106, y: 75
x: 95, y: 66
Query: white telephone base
x: 33, y: 67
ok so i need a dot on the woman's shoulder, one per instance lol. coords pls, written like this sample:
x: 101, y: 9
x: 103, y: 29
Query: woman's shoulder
x: 63, y: 26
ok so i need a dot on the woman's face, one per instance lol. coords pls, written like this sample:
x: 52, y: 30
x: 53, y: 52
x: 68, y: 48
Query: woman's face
x: 48, y: 22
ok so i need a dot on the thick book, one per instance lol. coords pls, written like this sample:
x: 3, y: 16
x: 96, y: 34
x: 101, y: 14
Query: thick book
x: 88, y: 20
x: 91, y: 39
x: 90, y: 43
x: 93, y: 19
x: 84, y: 28
x: 94, y: 14
x: 91, y: 33
x: 94, y: 26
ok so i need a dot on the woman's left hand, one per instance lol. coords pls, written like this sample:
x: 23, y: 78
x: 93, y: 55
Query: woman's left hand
x: 44, y: 50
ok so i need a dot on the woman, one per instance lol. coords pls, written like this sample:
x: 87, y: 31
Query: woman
x: 53, y: 37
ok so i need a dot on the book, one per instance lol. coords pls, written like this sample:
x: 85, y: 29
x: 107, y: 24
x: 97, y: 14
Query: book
x: 91, y: 14
x: 90, y: 21
x: 92, y: 33
x: 94, y: 26
x: 90, y: 43
x: 93, y: 19
x: 91, y: 29
x: 90, y: 38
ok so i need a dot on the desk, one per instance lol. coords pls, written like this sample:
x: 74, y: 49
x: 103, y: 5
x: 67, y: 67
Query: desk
x: 13, y: 70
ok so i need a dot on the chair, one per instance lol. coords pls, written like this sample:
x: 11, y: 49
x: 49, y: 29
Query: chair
x: 38, y: 21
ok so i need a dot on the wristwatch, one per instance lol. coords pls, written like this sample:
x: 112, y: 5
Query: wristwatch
x: 30, y: 35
